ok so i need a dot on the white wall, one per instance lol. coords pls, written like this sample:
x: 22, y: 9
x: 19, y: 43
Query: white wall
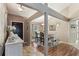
x: 62, y: 31
x: 3, y: 22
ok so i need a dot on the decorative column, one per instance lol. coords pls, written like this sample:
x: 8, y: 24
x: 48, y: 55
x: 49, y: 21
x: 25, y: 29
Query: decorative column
x: 45, y: 34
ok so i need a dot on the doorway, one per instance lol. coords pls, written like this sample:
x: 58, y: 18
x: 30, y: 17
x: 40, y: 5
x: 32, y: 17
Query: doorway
x: 19, y: 29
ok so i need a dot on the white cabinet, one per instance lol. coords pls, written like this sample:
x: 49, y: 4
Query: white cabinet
x: 14, y: 48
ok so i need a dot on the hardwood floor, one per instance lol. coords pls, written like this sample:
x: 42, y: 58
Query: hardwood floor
x: 30, y: 51
x: 61, y: 50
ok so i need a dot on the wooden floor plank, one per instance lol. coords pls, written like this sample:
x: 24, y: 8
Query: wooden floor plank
x: 61, y: 50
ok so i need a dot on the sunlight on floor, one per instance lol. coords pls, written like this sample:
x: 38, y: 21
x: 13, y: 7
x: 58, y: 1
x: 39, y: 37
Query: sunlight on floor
x: 29, y: 51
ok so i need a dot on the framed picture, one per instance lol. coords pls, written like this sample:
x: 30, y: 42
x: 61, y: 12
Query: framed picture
x: 52, y: 27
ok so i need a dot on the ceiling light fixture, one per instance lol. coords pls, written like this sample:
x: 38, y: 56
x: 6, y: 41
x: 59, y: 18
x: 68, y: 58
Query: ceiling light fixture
x: 20, y: 7
x: 42, y: 24
x: 58, y: 25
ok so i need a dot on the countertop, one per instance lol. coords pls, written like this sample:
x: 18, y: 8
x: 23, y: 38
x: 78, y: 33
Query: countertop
x: 15, y: 40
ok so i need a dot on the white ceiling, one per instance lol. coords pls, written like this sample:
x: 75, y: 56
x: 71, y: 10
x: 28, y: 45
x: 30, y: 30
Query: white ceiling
x: 58, y: 6
x: 13, y: 9
x: 39, y: 20
x: 74, y: 10
x: 27, y: 12
x: 68, y: 9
